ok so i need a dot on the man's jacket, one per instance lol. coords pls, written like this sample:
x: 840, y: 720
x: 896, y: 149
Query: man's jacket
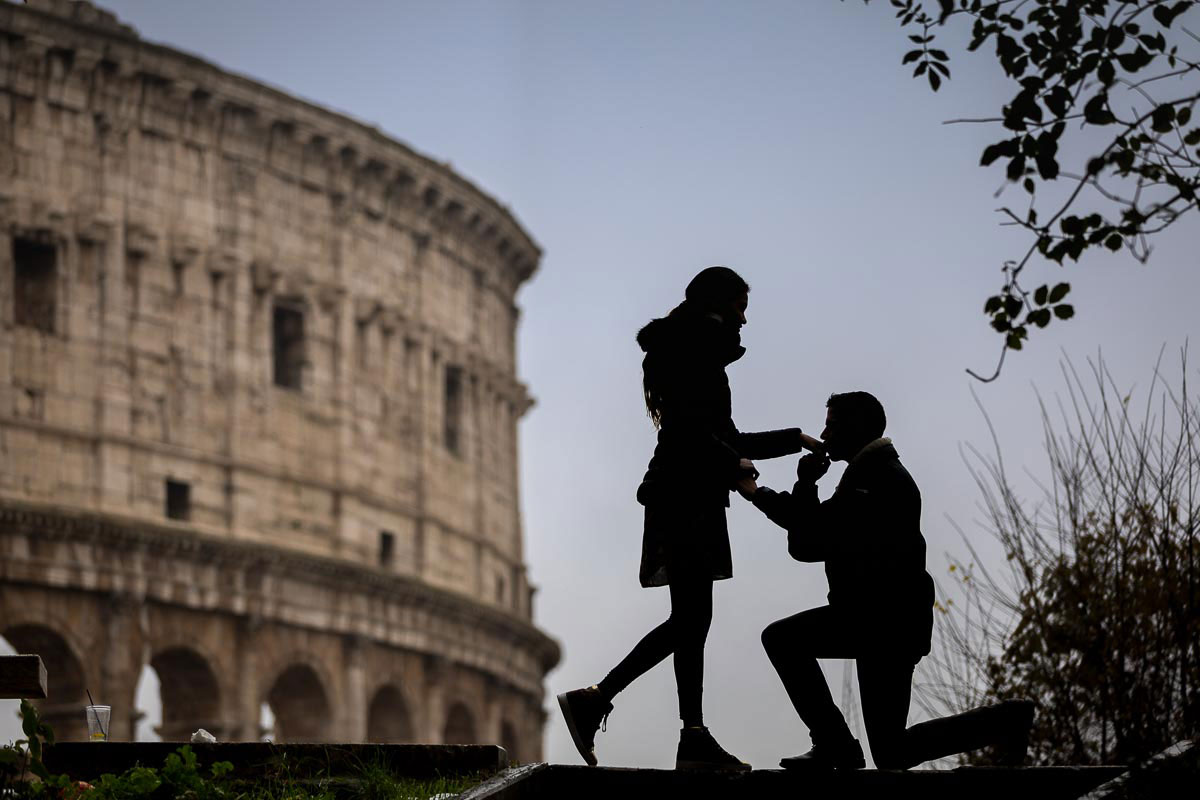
x: 869, y: 536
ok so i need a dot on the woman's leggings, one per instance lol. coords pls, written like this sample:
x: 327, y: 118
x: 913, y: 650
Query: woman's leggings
x: 683, y: 634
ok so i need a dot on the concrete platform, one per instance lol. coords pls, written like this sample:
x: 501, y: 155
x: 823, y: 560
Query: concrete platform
x: 544, y: 781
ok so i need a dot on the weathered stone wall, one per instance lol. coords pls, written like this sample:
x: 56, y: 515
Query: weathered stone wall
x: 341, y: 652
x: 210, y: 287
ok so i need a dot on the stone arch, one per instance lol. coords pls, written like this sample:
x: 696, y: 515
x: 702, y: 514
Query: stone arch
x: 388, y: 717
x: 66, y: 692
x: 300, y: 704
x: 190, y: 693
x: 460, y: 726
x: 509, y: 741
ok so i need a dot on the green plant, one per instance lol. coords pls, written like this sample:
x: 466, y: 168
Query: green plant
x: 182, y: 777
x: 179, y: 778
x: 23, y: 757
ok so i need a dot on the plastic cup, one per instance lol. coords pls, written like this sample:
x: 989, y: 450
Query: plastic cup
x: 97, y: 721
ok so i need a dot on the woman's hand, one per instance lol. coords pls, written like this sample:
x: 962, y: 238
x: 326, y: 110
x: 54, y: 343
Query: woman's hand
x: 811, y: 444
x: 745, y: 484
x: 746, y: 487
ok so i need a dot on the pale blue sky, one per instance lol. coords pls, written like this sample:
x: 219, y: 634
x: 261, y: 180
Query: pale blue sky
x: 641, y: 141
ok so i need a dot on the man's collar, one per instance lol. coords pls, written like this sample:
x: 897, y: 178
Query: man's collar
x: 871, y: 447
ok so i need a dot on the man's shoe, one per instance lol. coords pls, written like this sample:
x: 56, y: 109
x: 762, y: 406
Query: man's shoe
x: 699, y: 750
x: 585, y: 711
x: 848, y: 755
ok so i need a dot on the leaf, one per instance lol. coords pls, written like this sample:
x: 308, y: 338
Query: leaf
x: 935, y: 80
x: 992, y: 305
x: 1163, y: 118
x: 1059, y: 292
x: 1071, y: 225
x: 993, y: 151
x: 1013, y: 341
x: 1047, y: 166
x: 1039, y: 295
x: 1058, y: 100
x: 1107, y: 73
x: 1096, y: 110
x: 1166, y: 16
x: 910, y: 56
x: 1016, y: 168
x: 1155, y: 42
x: 1064, y: 311
x: 1028, y: 184
x: 1039, y: 317
x: 1114, y: 242
x: 1132, y: 62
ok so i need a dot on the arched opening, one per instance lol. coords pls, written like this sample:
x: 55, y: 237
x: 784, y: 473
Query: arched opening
x: 266, y: 723
x: 508, y: 740
x: 66, y: 693
x: 460, y: 726
x: 189, y: 692
x: 388, y: 721
x: 299, y: 705
x: 147, y: 698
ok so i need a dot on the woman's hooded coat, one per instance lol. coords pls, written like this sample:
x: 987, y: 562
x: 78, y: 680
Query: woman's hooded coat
x: 696, y: 461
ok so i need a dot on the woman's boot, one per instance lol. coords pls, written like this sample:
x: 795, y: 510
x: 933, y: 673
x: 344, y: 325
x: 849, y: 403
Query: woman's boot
x: 699, y: 750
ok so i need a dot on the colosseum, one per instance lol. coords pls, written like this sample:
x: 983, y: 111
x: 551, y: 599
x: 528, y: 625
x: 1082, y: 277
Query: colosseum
x: 258, y: 406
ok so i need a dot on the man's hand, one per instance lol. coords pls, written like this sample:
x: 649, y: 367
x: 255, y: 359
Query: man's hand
x: 745, y: 484
x: 811, y: 467
x: 811, y: 444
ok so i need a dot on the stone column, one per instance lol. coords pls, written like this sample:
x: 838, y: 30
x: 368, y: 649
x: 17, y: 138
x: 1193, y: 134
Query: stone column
x: 351, y: 713
x: 434, y: 717
x: 120, y: 664
x: 491, y: 713
x: 245, y: 702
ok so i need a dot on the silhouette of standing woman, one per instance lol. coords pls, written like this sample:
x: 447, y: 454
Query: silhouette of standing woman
x: 685, y: 543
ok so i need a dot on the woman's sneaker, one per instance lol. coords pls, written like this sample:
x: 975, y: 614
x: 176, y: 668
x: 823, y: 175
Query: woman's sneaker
x: 585, y: 711
x: 699, y: 750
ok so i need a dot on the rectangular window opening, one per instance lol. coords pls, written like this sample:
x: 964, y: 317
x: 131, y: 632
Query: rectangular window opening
x: 35, y: 284
x: 387, y: 548
x: 287, y: 337
x: 179, y: 500
x: 452, y: 433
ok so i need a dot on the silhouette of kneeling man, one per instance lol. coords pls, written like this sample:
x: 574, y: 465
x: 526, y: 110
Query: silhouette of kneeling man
x: 880, y: 609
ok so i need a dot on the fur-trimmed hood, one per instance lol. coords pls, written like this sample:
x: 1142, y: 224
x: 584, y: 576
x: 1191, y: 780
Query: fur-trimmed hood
x: 685, y: 331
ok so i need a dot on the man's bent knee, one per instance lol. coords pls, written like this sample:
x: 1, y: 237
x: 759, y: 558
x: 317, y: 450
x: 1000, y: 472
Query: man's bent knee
x: 773, y: 636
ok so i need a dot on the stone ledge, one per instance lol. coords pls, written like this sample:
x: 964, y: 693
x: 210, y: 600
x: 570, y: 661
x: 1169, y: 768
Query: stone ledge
x: 88, y: 760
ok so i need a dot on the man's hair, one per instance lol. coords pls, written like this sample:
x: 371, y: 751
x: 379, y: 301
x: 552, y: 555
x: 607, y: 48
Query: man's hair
x: 715, y: 286
x: 859, y: 410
